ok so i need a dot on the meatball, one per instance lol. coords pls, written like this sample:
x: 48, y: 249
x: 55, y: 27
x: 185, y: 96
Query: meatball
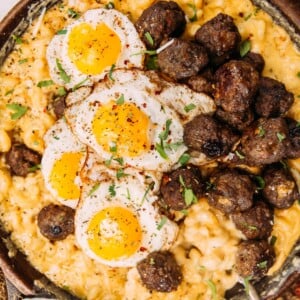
x: 56, y: 222
x: 182, y: 59
x: 161, y: 20
x: 280, y: 187
x: 59, y: 106
x: 21, y: 159
x: 273, y: 100
x: 202, y: 82
x: 256, y: 60
x: 256, y: 222
x: 237, y: 120
x: 265, y: 141
x: 293, y: 151
x: 236, y: 85
x: 160, y: 272
x: 231, y: 191
x: 175, y: 183
x: 254, y: 258
x: 220, y: 36
x: 207, y: 135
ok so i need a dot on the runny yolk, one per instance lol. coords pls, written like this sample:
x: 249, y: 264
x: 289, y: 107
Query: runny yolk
x: 122, y: 129
x: 63, y: 174
x: 92, y: 49
x: 114, y: 232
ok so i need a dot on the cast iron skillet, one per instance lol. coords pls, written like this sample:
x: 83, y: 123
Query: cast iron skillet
x: 26, y: 280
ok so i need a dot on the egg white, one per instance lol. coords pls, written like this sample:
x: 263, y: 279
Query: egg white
x: 59, y: 139
x: 132, y: 192
x: 132, y: 48
x: 80, y: 116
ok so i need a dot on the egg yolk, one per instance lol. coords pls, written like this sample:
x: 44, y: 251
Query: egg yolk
x: 63, y: 174
x: 114, y: 232
x: 93, y: 49
x: 122, y: 129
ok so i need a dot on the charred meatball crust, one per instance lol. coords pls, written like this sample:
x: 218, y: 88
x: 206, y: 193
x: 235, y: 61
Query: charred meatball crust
x: 231, y: 191
x: 56, y: 222
x: 161, y: 20
x: 160, y: 272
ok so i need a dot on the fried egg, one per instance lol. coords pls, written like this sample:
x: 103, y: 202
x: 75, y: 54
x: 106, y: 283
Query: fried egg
x: 63, y: 159
x: 116, y: 223
x: 123, y: 121
x: 92, y: 46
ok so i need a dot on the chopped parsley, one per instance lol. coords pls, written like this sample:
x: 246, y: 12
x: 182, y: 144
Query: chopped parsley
x: 239, y: 155
x: 18, y: 40
x: 194, y: 17
x: 72, y: 13
x: 110, y: 74
x: 61, y: 32
x: 150, y: 187
x: 280, y: 136
x: 23, y: 61
x: 184, y: 212
x: 261, y: 131
x: 273, y: 240
x: 263, y: 264
x: 189, y: 107
x: 213, y: 289
x: 94, y: 189
x: 149, y: 38
x: 34, y: 168
x: 246, y: 282
x: 149, y: 52
x: 184, y: 158
x: 162, y: 223
x: 188, y: 194
x: 260, y: 182
x: 79, y: 84
x: 112, y: 190
x: 160, y: 149
x: 61, y: 91
x: 164, y: 134
x: 18, y: 110
x: 120, y: 160
x: 120, y: 100
x: 109, y: 5
x: 245, y: 47
x: 151, y: 63
x: 62, y: 73
x: 120, y: 173
x: 45, y: 83
x: 113, y: 148
x: 9, y: 92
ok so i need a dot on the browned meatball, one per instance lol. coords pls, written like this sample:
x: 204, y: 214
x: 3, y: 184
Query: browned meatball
x: 182, y: 59
x: 236, y: 85
x: 273, y: 100
x: 237, y: 120
x: 255, y: 222
x: 265, y: 141
x: 207, y: 135
x: 161, y: 20
x: 231, y: 191
x: 160, y: 272
x: 293, y: 151
x: 220, y: 36
x: 56, y: 222
x: 59, y: 106
x: 21, y: 159
x: 256, y: 60
x: 254, y: 258
x: 280, y: 187
x: 173, y: 190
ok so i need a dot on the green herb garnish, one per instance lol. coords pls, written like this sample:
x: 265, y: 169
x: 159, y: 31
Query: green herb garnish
x: 261, y: 131
x: 9, y: 92
x: 61, y: 32
x: 162, y: 223
x: 246, y: 282
x: 260, y: 182
x: 188, y: 194
x: 263, y: 264
x: 164, y: 134
x: 280, y: 136
x: 239, y: 155
x: 62, y: 73
x: 34, y: 168
x: 189, y: 107
x: 45, y: 83
x: 113, y: 148
x: 120, y: 160
x: 109, y: 5
x: 149, y: 52
x: 110, y: 74
x: 18, y: 40
x: 72, y: 13
x: 120, y: 173
x: 149, y: 38
x: 23, y: 61
x: 213, y: 289
x: 150, y: 187
x: 273, y: 240
x: 78, y: 85
x: 18, y: 110
x: 160, y: 149
x: 94, y: 189
x: 245, y: 47
x: 151, y: 63
x: 184, y: 158
x: 120, y: 100
x: 194, y: 17
x: 61, y: 91
x: 112, y: 190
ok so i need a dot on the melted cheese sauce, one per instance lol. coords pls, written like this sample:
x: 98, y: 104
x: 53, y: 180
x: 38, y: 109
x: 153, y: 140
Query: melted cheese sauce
x: 207, y: 242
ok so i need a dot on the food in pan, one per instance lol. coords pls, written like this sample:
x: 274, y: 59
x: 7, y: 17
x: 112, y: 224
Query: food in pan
x: 151, y: 151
